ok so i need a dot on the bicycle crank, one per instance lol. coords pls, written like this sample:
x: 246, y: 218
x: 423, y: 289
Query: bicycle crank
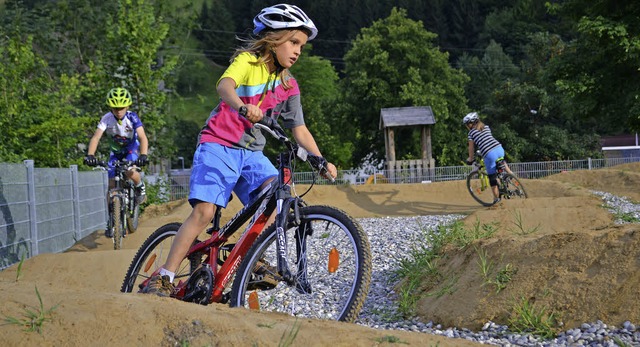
x: 199, y: 286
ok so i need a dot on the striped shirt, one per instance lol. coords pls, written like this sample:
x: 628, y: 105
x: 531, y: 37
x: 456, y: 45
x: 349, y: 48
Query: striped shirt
x: 483, y: 140
x: 254, y: 85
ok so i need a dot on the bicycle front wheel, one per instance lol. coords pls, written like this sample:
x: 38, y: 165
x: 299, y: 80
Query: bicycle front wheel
x: 118, y: 222
x: 330, y: 258
x: 132, y: 217
x: 513, y: 188
x: 479, y: 188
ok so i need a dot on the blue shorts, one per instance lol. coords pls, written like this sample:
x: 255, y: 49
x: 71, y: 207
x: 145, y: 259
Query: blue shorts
x: 129, y: 153
x: 491, y: 157
x: 219, y: 170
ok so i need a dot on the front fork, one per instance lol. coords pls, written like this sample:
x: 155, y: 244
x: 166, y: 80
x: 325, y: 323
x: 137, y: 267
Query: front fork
x: 302, y: 231
x: 115, y: 194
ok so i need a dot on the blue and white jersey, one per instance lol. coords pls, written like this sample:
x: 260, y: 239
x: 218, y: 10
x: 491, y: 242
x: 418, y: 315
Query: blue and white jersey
x: 121, y: 133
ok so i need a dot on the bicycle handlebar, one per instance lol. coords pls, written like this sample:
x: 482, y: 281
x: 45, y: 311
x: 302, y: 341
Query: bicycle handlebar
x: 128, y: 164
x: 272, y: 127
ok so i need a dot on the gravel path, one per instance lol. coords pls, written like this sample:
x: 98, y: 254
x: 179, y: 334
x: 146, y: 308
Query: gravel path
x: 390, y: 239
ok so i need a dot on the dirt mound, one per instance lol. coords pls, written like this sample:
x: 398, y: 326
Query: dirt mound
x: 559, y: 251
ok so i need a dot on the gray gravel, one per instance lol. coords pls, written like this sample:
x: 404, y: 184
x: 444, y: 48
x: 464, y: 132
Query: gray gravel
x: 392, y: 237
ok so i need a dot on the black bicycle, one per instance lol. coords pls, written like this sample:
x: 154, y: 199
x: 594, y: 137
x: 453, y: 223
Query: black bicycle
x: 124, y: 208
x: 509, y: 186
x: 314, y: 261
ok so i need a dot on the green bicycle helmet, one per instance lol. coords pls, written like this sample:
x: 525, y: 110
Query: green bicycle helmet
x: 119, y: 97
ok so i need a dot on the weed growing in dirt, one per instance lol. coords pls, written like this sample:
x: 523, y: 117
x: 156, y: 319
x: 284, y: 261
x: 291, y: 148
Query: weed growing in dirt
x: 390, y: 339
x: 19, y: 270
x: 521, y: 230
x: 288, y: 336
x: 502, y: 277
x: 33, y: 318
x: 486, y: 266
x: 527, y: 318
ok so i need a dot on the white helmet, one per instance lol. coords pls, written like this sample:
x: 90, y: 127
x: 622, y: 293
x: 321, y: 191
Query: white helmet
x: 470, y: 118
x: 283, y: 16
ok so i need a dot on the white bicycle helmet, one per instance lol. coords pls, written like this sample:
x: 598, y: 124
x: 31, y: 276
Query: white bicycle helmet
x: 283, y: 16
x: 470, y: 118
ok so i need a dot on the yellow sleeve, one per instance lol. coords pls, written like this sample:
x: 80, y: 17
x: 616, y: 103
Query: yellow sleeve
x: 238, y: 70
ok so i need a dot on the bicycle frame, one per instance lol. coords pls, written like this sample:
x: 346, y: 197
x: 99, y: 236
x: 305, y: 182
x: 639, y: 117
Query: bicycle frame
x: 482, y: 173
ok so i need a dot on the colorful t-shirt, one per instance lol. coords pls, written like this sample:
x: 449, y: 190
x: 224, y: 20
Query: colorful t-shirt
x: 122, y: 134
x: 254, y: 85
x: 483, y: 140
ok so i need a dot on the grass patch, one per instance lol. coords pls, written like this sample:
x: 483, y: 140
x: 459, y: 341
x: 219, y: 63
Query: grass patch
x: 527, y: 318
x: 33, y: 318
x: 420, y: 269
x: 456, y: 234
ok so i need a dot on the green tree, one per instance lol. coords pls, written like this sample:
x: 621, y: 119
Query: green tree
x: 395, y: 63
x: 38, y: 117
x: 318, y: 83
x: 132, y: 59
x: 600, y: 71
x: 486, y: 74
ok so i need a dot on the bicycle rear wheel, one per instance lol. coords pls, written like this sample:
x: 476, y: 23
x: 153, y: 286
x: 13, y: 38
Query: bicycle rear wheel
x: 330, y: 257
x: 118, y: 222
x: 479, y: 188
x: 152, y: 255
x: 513, y: 188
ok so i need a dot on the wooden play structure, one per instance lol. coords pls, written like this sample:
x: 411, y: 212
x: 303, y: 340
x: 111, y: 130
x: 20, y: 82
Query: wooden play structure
x: 414, y: 171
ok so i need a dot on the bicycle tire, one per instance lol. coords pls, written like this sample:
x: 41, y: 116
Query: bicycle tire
x: 481, y: 192
x: 132, y: 217
x: 336, y: 296
x: 118, y: 222
x: 151, y: 256
x: 513, y: 189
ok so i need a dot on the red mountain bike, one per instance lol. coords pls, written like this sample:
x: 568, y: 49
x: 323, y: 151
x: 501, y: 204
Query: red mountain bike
x: 314, y: 261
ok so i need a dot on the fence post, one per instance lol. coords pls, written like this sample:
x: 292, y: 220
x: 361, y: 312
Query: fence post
x: 75, y: 192
x: 33, y: 221
x: 589, y: 162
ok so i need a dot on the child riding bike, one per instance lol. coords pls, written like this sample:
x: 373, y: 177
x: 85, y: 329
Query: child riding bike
x: 491, y: 150
x: 229, y: 154
x: 127, y: 140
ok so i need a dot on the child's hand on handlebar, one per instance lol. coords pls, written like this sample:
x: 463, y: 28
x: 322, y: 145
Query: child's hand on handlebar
x: 331, y: 172
x: 251, y: 112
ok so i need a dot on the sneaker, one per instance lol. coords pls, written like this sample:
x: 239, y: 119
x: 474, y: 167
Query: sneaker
x: 159, y: 285
x: 141, y: 194
x: 108, y: 233
x: 496, y: 200
x: 265, y: 276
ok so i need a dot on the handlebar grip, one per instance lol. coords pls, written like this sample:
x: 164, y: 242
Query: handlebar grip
x: 266, y: 119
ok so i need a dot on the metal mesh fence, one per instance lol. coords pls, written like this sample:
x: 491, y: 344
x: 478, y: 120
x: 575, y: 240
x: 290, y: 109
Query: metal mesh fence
x: 44, y: 210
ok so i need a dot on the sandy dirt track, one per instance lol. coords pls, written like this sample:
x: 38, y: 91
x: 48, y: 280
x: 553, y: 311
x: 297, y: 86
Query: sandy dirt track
x: 577, y: 250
